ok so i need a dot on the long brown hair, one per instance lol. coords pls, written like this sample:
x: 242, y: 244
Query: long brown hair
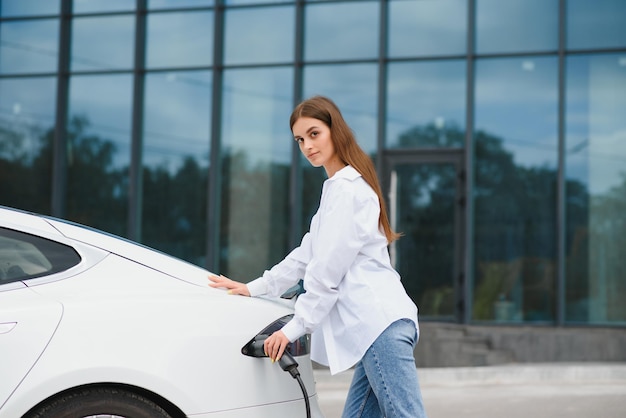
x: 346, y: 147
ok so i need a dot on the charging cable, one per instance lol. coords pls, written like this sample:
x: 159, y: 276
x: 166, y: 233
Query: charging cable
x: 289, y: 364
x: 286, y: 362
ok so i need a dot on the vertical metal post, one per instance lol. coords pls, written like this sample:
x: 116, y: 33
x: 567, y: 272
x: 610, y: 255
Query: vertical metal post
x: 215, y: 168
x: 135, y: 188
x: 295, y: 184
x: 382, y: 89
x: 468, y: 268
x: 59, y: 146
x: 560, y: 190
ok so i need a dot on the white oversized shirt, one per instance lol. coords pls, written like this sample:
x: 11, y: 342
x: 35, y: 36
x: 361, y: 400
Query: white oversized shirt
x: 352, y: 292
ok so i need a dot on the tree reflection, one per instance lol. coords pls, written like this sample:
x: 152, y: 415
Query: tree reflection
x: 514, y: 222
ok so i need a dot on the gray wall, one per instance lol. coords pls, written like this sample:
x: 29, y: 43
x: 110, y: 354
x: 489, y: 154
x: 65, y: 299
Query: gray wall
x: 449, y: 345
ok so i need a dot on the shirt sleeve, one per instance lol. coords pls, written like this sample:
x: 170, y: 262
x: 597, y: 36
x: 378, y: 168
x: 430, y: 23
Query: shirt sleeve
x: 346, y: 223
x: 285, y: 274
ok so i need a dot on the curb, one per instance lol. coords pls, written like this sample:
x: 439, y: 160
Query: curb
x: 501, y: 374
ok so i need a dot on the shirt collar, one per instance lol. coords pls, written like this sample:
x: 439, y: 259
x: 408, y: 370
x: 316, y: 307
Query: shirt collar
x: 348, y: 172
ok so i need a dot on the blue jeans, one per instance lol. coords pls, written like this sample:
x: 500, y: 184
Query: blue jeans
x: 385, y: 380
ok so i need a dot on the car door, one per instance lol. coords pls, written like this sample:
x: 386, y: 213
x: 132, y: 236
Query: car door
x: 27, y: 323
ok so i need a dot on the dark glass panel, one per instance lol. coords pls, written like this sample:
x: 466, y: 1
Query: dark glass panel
x: 29, y: 46
x: 341, y: 31
x: 256, y: 152
x: 423, y: 209
x: 427, y: 27
x: 24, y: 256
x: 27, y: 107
x: 426, y: 104
x: 259, y: 35
x: 595, y: 155
x: 102, y: 43
x: 515, y: 189
x: 596, y: 24
x: 179, y: 39
x: 98, y: 151
x: 176, y: 163
x: 516, y: 25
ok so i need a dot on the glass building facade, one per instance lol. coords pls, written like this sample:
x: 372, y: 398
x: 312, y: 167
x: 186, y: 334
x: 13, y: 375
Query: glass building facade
x: 498, y: 128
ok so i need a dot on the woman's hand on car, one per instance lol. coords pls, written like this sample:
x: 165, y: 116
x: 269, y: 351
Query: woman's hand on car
x: 233, y: 287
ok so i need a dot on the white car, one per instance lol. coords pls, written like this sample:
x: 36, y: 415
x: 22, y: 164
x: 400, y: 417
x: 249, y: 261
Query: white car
x: 95, y: 325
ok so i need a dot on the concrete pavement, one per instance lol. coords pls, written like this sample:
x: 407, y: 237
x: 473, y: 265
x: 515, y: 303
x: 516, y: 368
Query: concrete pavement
x: 547, y: 390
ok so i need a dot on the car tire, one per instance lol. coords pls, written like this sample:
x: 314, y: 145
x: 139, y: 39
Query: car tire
x: 100, y: 402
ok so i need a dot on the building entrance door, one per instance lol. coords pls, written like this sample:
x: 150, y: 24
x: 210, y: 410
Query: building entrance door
x: 425, y: 197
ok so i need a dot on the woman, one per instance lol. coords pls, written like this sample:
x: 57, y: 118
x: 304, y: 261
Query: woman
x: 355, y: 306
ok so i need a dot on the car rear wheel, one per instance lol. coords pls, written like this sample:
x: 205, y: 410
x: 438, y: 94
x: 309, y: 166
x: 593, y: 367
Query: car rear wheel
x: 99, y: 402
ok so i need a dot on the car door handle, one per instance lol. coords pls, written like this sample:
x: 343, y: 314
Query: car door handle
x: 6, y: 327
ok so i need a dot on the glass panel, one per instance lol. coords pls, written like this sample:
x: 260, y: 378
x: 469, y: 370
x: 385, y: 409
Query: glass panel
x: 243, y: 2
x: 427, y: 27
x: 98, y: 151
x: 257, y: 146
x: 27, y: 107
x: 102, y: 43
x: 596, y: 24
x: 423, y: 209
x: 516, y: 25
x: 175, y: 4
x: 259, y: 35
x: 29, y: 46
x: 11, y: 8
x: 24, y: 256
x: 353, y: 89
x: 515, y: 189
x: 596, y: 189
x: 94, y: 6
x: 426, y: 104
x: 176, y: 163
x: 179, y: 39
x: 341, y: 31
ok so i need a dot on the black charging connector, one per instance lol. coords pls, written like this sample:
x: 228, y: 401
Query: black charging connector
x: 255, y: 349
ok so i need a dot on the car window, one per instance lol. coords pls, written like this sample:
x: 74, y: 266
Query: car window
x: 25, y: 256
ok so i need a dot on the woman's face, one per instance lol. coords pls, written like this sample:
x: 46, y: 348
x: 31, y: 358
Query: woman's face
x: 313, y: 137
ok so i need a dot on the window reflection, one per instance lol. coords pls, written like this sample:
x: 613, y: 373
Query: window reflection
x: 259, y: 35
x: 426, y: 104
x: 353, y: 89
x: 427, y: 27
x: 176, y: 163
x: 516, y: 25
x: 595, y: 24
x: 27, y: 107
x: 425, y: 198
x: 93, y: 6
x: 98, y: 151
x: 256, y: 149
x: 596, y: 188
x: 242, y: 2
x: 13, y: 8
x: 341, y: 31
x: 179, y: 39
x: 29, y: 46
x: 515, y: 197
x: 175, y: 4
x: 90, y: 52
